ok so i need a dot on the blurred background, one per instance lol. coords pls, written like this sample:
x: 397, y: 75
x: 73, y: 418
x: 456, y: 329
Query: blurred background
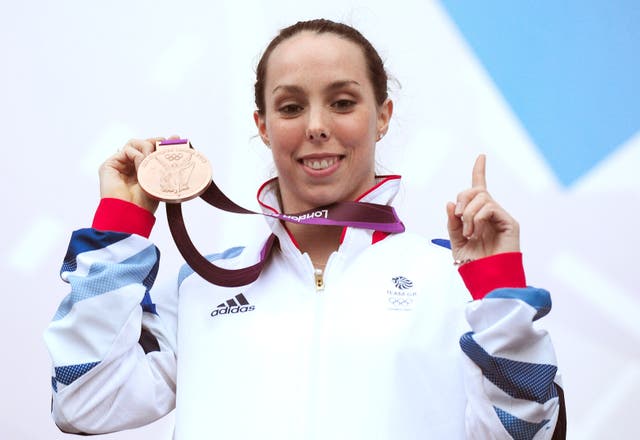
x: 548, y: 90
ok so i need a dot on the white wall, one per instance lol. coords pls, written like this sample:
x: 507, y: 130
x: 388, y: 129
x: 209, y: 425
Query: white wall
x: 79, y: 78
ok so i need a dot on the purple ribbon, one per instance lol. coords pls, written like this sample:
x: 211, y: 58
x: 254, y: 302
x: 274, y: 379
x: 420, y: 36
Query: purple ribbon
x: 353, y: 214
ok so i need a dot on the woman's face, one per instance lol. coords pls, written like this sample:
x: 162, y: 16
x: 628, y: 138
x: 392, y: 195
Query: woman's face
x: 321, y: 120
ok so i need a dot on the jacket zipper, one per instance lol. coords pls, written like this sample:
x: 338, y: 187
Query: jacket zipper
x: 319, y: 278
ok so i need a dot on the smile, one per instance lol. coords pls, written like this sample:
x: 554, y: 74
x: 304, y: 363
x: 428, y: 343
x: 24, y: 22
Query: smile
x: 321, y: 164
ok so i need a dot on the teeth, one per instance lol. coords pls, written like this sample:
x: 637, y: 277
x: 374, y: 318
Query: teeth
x: 319, y: 164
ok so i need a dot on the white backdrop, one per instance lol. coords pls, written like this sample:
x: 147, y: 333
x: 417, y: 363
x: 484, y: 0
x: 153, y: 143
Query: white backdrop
x: 80, y: 78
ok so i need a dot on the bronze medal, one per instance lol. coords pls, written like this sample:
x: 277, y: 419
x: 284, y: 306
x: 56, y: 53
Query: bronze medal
x: 175, y: 172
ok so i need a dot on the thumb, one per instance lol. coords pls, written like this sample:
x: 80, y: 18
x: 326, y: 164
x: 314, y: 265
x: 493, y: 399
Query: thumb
x: 454, y: 226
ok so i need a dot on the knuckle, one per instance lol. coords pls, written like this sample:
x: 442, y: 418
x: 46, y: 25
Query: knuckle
x: 463, y: 199
x: 484, y: 196
x: 134, y: 143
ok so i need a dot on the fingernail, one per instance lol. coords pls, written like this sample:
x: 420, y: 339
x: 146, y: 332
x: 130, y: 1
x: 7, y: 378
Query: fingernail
x: 458, y: 208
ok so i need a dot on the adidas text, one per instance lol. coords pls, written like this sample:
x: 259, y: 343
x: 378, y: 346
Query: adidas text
x: 230, y: 310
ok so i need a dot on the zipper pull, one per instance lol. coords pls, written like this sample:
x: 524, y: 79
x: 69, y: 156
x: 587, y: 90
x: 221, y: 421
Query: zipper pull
x: 319, y: 279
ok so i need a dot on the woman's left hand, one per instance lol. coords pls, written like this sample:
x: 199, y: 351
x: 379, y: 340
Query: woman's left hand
x: 478, y: 226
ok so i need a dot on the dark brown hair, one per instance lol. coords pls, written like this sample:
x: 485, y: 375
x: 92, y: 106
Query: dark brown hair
x: 377, y: 73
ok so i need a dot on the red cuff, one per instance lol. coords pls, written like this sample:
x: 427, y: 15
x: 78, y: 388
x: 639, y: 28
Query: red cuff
x: 489, y: 273
x: 122, y: 216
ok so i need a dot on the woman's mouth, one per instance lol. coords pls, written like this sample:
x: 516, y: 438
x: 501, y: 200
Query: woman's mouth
x: 321, y: 163
x: 321, y: 166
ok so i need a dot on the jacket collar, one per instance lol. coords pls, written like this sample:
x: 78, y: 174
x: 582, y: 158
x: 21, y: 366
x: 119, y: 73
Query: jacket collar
x: 353, y: 239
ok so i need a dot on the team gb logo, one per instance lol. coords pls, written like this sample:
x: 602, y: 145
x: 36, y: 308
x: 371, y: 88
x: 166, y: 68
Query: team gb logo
x: 402, y: 283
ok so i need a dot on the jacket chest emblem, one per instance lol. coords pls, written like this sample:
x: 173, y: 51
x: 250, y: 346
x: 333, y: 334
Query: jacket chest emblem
x: 401, y: 295
x: 237, y: 304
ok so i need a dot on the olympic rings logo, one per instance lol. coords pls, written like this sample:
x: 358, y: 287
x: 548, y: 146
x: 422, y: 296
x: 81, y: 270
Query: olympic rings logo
x: 173, y: 156
x: 401, y: 301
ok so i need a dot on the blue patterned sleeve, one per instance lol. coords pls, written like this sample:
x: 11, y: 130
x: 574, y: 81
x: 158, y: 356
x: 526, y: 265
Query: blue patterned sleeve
x: 511, y: 371
x: 112, y: 353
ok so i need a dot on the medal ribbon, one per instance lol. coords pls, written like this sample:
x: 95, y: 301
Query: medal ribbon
x: 354, y: 214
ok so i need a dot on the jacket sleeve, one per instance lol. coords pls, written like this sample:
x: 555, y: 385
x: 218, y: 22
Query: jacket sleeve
x: 113, y: 353
x: 511, y: 373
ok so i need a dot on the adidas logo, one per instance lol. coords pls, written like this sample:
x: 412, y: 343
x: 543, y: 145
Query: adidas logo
x: 237, y: 304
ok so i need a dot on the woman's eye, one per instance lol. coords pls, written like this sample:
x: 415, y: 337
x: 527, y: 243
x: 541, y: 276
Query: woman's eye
x: 343, y: 104
x: 290, y: 109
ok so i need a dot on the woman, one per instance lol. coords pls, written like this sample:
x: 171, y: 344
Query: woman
x: 347, y: 333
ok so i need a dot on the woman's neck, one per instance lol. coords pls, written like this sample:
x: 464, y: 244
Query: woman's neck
x: 318, y: 241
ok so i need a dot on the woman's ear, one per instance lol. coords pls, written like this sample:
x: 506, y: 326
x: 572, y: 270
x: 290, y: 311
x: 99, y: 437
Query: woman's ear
x: 261, y: 125
x: 385, y: 111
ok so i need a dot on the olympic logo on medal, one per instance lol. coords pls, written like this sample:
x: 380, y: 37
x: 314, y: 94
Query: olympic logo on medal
x: 175, y: 172
x: 173, y: 156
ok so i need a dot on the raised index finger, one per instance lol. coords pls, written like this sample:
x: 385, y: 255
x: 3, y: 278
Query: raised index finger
x: 478, y: 177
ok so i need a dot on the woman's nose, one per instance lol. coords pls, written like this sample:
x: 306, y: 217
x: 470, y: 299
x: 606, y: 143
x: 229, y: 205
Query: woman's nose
x: 317, y: 128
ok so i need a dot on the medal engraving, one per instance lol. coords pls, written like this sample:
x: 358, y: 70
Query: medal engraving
x: 175, y: 172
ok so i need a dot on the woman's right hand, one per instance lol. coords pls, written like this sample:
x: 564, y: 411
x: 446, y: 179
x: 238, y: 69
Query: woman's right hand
x: 118, y: 174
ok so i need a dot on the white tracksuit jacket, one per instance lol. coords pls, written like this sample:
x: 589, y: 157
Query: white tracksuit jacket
x: 375, y: 355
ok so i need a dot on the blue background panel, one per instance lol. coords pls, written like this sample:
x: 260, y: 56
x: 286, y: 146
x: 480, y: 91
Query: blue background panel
x: 569, y: 70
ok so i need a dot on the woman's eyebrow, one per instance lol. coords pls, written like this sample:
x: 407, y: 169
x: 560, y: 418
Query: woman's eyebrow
x: 341, y: 84
x: 331, y: 87
x: 287, y: 88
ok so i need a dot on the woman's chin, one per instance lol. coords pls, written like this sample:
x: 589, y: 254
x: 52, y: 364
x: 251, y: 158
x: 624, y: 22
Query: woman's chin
x: 310, y: 201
